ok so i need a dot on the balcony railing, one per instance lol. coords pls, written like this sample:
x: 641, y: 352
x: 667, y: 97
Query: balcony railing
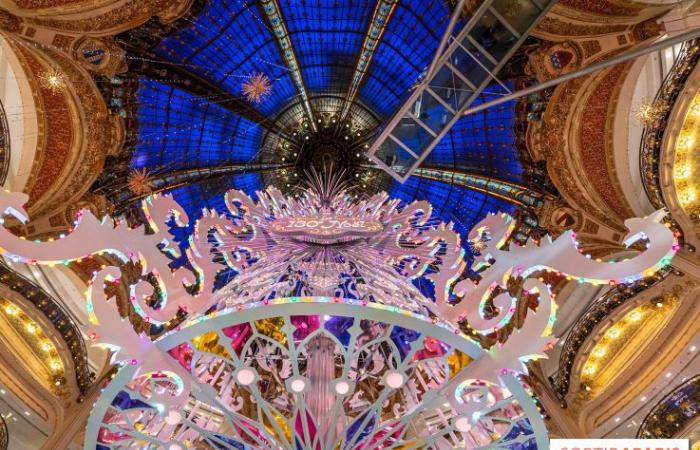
x: 4, y: 434
x: 669, y: 417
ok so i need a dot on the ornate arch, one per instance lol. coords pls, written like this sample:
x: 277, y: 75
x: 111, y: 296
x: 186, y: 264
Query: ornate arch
x: 645, y: 355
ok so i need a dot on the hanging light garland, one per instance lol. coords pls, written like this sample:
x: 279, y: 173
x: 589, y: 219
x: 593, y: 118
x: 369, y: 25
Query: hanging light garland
x: 273, y: 325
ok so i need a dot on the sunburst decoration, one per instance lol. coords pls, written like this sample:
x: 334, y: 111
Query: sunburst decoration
x: 257, y: 88
x: 52, y: 80
x: 140, y: 182
x: 648, y: 112
x: 327, y: 184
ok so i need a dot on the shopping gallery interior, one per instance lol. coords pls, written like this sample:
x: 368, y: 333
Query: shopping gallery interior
x: 348, y: 224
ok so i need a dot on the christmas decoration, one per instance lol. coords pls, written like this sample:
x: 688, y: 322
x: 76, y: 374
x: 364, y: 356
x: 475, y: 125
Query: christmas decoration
x: 309, y: 327
x: 257, y: 88
x: 140, y: 182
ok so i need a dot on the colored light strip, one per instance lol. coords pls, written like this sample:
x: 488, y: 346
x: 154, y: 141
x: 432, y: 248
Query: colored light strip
x: 380, y: 18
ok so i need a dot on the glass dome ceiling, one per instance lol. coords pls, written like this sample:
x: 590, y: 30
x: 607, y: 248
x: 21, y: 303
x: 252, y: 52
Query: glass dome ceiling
x: 361, y: 55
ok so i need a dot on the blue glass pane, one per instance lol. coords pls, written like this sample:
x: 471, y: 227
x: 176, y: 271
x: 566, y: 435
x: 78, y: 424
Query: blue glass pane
x: 210, y: 194
x: 225, y: 43
x: 464, y: 207
x: 405, y: 51
x: 483, y: 143
x: 327, y: 36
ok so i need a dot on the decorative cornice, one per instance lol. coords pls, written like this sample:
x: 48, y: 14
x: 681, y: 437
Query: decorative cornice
x: 598, y: 311
x: 121, y: 16
x: 4, y: 145
x: 77, y: 132
x: 4, y: 434
x: 61, y: 320
x: 652, y: 136
x: 504, y: 190
x: 562, y: 140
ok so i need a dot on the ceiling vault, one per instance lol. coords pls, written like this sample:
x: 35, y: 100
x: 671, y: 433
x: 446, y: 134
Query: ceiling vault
x: 380, y: 19
x: 166, y: 181
x: 181, y: 78
x: 273, y: 14
x: 504, y: 190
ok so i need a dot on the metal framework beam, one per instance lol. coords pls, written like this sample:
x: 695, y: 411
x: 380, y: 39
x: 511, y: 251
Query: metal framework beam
x: 468, y: 66
x: 446, y: 36
x: 171, y: 180
x: 504, y: 190
x: 178, y: 76
x: 275, y: 20
x: 383, y: 12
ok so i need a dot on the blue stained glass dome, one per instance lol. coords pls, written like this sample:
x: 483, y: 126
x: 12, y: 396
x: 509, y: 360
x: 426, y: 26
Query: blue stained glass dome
x: 225, y: 42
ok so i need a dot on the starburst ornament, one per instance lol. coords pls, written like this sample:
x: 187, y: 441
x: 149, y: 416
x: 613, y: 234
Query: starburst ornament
x: 648, y: 112
x: 257, y: 88
x: 324, y: 309
x: 140, y: 182
x: 52, y: 80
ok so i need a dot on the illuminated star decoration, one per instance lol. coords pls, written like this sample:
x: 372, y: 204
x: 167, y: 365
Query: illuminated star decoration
x: 52, y: 80
x: 140, y: 182
x: 648, y: 112
x: 257, y: 88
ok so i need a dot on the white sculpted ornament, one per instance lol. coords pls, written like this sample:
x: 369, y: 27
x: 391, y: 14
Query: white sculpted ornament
x: 369, y: 254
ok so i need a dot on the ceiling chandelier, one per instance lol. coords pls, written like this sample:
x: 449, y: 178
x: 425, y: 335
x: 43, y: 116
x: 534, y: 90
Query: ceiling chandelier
x: 321, y: 322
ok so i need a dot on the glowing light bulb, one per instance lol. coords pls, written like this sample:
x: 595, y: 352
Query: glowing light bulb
x: 173, y: 417
x: 394, y: 379
x: 245, y: 377
x: 55, y: 365
x: 297, y: 385
x: 462, y: 424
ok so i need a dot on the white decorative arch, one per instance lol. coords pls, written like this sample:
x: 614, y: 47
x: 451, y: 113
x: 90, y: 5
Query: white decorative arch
x: 18, y: 101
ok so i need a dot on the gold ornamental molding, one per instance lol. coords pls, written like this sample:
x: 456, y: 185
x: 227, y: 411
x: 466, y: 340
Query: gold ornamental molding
x: 578, y: 154
x: 583, y: 19
x: 669, y: 159
x: 101, y: 18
